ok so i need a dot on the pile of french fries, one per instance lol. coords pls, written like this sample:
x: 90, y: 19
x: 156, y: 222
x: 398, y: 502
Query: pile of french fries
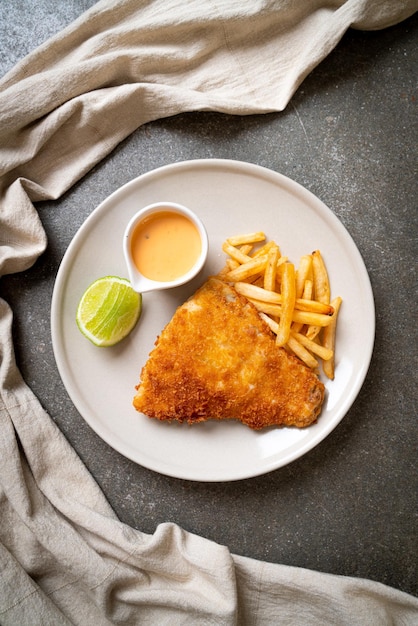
x: 294, y: 302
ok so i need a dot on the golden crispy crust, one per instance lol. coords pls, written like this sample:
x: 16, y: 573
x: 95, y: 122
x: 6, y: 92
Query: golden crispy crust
x: 217, y: 359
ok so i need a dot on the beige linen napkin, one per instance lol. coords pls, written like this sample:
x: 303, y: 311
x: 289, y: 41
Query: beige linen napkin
x: 64, y: 556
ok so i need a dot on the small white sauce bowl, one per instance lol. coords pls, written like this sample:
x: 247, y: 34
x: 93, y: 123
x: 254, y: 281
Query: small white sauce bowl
x: 141, y: 283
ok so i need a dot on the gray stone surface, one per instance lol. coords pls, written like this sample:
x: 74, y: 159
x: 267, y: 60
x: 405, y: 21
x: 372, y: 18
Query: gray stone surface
x: 350, y: 136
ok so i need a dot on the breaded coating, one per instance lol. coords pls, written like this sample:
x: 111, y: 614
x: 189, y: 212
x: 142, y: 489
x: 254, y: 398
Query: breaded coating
x: 217, y: 359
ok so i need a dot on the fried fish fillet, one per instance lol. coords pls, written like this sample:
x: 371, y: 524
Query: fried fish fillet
x: 217, y: 359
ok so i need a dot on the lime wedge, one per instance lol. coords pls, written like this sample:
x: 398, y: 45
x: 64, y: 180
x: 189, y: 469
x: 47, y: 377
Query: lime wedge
x: 108, y: 310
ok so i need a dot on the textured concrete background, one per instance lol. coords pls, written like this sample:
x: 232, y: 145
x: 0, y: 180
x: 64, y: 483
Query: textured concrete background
x: 350, y: 136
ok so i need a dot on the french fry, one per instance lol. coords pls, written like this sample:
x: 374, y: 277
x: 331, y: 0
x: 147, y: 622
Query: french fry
x: 307, y: 317
x: 235, y: 253
x: 246, y: 248
x: 323, y: 352
x: 264, y: 249
x: 295, y: 303
x: 321, y: 287
x: 271, y: 323
x: 266, y: 307
x: 302, y: 353
x: 288, y: 303
x: 239, y: 240
x: 250, y: 268
x: 303, y: 273
x: 272, y: 297
x: 307, y: 290
x: 280, y: 263
x: 230, y: 264
x: 258, y: 293
x: 328, y: 339
x: 295, y: 346
x: 271, y: 268
x: 302, y: 317
x: 320, y: 276
x: 314, y: 306
x: 313, y: 331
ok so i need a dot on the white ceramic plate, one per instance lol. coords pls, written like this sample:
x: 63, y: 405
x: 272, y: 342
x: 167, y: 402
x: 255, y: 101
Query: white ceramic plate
x: 230, y: 197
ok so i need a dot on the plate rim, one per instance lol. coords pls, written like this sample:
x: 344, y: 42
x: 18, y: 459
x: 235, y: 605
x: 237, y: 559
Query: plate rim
x: 243, y: 167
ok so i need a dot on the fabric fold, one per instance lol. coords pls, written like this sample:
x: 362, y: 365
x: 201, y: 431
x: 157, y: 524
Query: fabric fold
x: 121, y: 65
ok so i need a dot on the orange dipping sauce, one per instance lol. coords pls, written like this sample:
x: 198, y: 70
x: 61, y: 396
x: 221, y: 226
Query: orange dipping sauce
x: 165, y: 246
